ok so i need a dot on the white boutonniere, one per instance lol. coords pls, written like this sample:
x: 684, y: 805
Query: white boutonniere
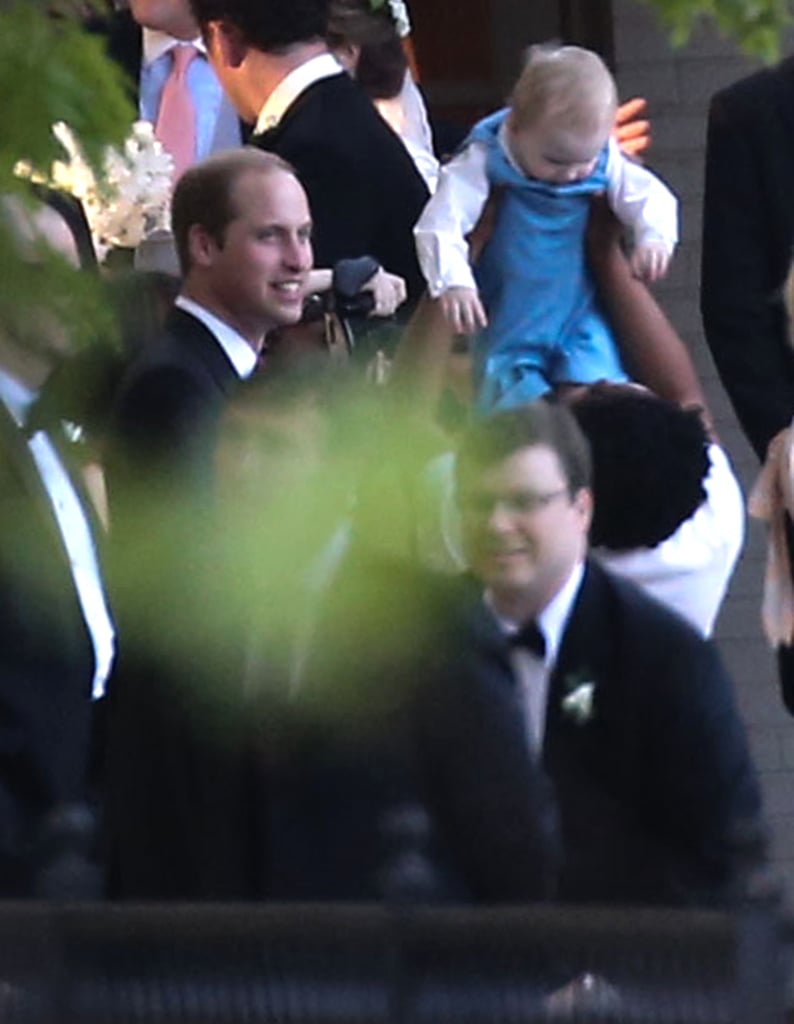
x: 577, y: 704
x: 73, y: 432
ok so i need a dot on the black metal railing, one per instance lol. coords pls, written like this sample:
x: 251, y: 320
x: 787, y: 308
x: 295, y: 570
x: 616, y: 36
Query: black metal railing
x: 337, y: 964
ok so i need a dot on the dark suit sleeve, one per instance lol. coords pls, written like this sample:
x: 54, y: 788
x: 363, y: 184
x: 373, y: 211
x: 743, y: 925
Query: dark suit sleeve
x: 160, y: 431
x: 740, y: 299
x: 703, y: 783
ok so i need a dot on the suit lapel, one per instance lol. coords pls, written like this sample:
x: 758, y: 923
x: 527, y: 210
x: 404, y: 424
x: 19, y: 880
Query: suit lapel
x: 584, y: 657
x: 199, y: 345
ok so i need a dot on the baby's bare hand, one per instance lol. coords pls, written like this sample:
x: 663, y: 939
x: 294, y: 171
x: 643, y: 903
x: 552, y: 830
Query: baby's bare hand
x: 463, y: 310
x: 649, y: 262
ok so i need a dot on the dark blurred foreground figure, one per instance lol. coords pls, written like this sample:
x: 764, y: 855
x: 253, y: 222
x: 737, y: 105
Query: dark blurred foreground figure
x: 57, y: 637
x: 627, y: 708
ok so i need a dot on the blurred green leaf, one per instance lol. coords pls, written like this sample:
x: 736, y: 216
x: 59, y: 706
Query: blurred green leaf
x: 61, y: 73
x: 756, y: 25
x: 51, y: 69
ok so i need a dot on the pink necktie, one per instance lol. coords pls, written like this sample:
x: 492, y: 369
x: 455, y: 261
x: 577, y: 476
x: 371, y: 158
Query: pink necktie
x: 176, y: 121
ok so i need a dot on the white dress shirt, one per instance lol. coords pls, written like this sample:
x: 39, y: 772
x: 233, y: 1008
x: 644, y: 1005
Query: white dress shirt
x: 74, y: 530
x: 240, y: 354
x: 217, y: 123
x: 639, y: 199
x: 691, y: 569
x: 532, y: 672
x: 292, y: 85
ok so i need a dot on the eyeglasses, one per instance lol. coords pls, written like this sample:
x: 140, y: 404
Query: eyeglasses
x: 520, y: 503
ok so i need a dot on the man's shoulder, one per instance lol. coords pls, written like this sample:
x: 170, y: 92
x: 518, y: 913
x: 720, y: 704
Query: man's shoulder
x: 758, y: 86
x: 334, y: 116
x: 179, y: 360
x: 638, y: 615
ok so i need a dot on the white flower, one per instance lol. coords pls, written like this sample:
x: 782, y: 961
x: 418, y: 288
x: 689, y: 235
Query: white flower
x: 130, y: 200
x: 73, y: 432
x: 578, y: 704
x: 399, y: 13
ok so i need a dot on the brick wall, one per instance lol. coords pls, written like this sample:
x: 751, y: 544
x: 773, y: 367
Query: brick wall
x: 678, y: 85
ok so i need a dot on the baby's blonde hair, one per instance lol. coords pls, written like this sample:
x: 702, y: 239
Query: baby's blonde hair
x: 568, y: 83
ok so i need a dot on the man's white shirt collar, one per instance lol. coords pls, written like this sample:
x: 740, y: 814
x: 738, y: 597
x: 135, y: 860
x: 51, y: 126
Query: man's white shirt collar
x: 240, y: 354
x: 554, y: 617
x: 289, y: 88
x: 155, y: 44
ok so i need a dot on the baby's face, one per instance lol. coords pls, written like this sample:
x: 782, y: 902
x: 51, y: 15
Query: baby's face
x: 550, y: 153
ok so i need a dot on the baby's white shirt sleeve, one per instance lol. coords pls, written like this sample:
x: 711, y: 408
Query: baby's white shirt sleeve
x: 449, y: 216
x: 640, y: 200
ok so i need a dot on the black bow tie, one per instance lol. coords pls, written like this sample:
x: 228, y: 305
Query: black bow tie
x: 530, y: 637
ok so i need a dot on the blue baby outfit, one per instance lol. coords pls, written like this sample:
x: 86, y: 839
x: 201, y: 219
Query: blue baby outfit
x: 545, y: 326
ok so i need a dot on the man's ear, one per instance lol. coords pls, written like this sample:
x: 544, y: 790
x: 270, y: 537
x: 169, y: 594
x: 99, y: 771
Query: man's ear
x: 225, y: 43
x: 347, y: 54
x: 583, y: 502
x: 201, y: 246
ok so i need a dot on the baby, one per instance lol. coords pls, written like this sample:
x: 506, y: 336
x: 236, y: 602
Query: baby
x: 541, y: 159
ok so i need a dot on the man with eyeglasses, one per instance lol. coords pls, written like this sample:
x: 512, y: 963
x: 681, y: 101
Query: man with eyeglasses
x: 626, y: 707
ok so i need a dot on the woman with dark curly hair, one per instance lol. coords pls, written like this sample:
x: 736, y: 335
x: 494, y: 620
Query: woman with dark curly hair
x: 669, y: 512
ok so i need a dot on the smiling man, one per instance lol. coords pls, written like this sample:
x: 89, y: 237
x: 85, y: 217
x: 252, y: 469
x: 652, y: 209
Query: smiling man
x: 242, y: 228
x: 243, y: 234
x: 628, y: 709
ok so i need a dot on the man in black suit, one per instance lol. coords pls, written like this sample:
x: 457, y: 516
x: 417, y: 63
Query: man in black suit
x: 56, y: 635
x: 626, y: 705
x: 364, y: 189
x: 748, y: 232
x: 243, y: 233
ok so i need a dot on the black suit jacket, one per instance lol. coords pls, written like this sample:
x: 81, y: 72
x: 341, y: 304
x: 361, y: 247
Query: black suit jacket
x: 748, y: 233
x: 168, y: 410
x: 364, y: 190
x: 173, y: 790
x: 46, y: 666
x: 657, y: 795
x: 395, y: 714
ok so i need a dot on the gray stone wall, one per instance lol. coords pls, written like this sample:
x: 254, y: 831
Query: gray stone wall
x: 678, y: 85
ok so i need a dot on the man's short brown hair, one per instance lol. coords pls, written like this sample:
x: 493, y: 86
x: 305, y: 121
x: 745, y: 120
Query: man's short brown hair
x: 501, y: 434
x: 205, y: 194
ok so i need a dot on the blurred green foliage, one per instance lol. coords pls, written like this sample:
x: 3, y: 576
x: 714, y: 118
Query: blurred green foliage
x: 52, y: 70
x: 756, y: 25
